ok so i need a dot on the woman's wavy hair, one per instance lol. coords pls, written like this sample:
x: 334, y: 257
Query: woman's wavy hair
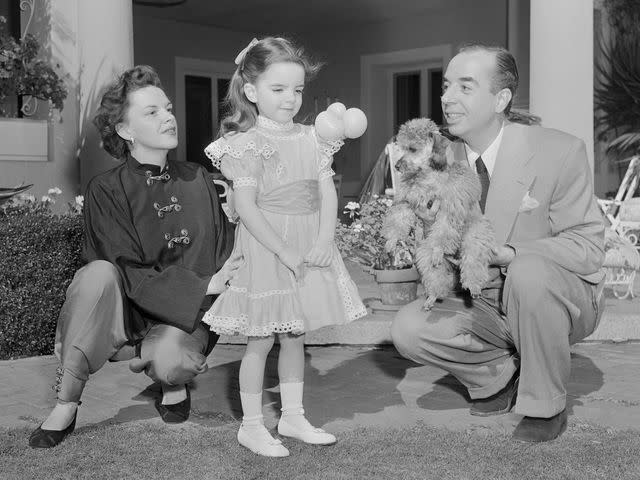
x: 115, y: 104
x: 243, y: 113
x: 505, y: 76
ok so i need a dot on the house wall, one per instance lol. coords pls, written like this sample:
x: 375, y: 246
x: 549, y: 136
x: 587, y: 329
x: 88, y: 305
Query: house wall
x: 465, y: 21
x: 157, y: 42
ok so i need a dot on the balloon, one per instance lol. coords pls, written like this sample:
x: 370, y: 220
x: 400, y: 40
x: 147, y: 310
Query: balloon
x: 337, y: 108
x: 355, y: 123
x: 329, y: 126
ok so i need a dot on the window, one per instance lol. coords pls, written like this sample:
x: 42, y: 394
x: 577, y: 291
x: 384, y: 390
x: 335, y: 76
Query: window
x: 199, y: 127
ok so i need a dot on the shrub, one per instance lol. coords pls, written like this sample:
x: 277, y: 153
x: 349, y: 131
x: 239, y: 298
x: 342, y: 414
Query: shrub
x: 39, y: 254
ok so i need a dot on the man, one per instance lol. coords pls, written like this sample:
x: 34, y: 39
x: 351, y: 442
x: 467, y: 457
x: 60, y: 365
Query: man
x: 512, y: 345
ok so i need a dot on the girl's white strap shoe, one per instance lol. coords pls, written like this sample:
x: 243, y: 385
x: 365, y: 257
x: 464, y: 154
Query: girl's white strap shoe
x: 311, y: 435
x: 258, y: 439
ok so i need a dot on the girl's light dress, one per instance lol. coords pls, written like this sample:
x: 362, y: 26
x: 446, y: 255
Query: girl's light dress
x: 285, y: 163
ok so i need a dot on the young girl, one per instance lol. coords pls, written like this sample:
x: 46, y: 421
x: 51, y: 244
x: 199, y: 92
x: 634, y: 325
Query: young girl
x: 292, y: 279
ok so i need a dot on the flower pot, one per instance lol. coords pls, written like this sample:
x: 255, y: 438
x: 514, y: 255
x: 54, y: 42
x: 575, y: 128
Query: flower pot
x: 397, y: 287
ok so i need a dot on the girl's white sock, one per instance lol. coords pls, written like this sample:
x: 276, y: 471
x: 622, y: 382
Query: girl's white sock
x: 292, y: 411
x: 251, y: 409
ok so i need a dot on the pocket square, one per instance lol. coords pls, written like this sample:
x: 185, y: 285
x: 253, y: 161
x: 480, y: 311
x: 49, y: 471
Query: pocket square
x: 528, y: 203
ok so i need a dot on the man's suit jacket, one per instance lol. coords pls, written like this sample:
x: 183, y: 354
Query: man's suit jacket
x: 550, y: 168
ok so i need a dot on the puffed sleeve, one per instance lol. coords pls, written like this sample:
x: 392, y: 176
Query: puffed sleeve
x: 326, y: 150
x: 239, y: 159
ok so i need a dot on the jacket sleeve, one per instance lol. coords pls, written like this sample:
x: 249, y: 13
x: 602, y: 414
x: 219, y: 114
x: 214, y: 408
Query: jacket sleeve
x: 173, y: 295
x: 577, y: 228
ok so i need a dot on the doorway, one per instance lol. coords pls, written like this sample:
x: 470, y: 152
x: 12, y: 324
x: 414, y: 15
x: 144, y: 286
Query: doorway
x: 397, y: 86
x: 201, y: 86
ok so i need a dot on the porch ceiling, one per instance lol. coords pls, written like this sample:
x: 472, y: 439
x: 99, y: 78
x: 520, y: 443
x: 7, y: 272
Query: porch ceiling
x: 291, y: 15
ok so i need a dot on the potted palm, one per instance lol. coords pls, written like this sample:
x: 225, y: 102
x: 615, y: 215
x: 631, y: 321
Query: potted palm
x: 617, y: 88
x: 360, y: 240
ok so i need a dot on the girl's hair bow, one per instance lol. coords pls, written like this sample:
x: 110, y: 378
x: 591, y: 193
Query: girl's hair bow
x: 244, y: 51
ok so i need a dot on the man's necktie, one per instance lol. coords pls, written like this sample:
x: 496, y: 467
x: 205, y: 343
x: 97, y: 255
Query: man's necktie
x: 483, y: 174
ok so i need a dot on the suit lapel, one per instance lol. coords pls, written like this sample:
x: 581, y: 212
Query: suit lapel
x: 509, y: 181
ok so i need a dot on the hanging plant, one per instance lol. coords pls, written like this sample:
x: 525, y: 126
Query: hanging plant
x: 21, y: 74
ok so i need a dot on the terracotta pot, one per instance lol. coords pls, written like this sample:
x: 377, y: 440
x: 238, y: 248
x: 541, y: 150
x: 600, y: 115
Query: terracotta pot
x: 397, y: 287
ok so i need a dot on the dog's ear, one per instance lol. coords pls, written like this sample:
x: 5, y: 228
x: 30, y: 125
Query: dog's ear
x: 439, y: 158
x: 440, y: 144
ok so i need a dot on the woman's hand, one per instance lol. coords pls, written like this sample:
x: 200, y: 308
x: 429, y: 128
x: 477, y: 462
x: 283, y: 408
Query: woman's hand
x: 218, y: 282
x: 320, y: 254
x: 292, y: 260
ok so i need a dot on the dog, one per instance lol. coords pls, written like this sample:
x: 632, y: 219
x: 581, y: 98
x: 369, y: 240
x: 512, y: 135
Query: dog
x: 438, y: 198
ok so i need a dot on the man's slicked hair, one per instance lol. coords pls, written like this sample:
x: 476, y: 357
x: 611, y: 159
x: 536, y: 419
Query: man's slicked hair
x: 505, y: 76
x: 506, y: 73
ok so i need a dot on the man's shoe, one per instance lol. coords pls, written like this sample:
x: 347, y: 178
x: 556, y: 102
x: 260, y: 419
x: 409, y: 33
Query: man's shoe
x: 176, y: 412
x: 501, y: 402
x: 41, y: 438
x: 535, y: 429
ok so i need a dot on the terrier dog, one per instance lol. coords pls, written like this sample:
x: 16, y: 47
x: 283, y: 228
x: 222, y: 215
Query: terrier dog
x: 438, y: 197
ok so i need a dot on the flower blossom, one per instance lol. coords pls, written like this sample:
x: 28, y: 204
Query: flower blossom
x: 54, y: 191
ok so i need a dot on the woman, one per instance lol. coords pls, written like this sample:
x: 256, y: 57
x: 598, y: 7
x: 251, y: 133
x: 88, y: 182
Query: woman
x: 155, y: 236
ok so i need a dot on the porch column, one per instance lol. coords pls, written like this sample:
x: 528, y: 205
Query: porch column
x: 93, y: 41
x: 561, y: 66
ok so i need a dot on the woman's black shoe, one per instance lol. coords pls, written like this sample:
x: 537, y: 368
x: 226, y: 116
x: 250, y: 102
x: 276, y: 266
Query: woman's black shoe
x: 177, y: 412
x: 41, y: 438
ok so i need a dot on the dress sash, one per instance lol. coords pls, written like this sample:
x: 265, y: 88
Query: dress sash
x: 296, y: 198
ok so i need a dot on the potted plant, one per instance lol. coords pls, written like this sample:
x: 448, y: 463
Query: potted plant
x: 360, y: 240
x: 22, y: 74
x: 25, y: 79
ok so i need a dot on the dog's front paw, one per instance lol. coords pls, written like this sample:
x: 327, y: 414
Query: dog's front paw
x: 429, y: 303
x: 390, y: 244
x: 475, y: 289
x: 437, y: 256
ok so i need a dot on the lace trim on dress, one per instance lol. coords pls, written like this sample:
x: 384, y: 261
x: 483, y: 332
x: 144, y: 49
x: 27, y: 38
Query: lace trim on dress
x: 265, y: 294
x: 216, y: 150
x: 265, y: 122
x: 245, y: 182
x: 240, y: 325
x: 352, y: 310
x: 330, y: 147
x: 290, y: 135
x: 326, y: 173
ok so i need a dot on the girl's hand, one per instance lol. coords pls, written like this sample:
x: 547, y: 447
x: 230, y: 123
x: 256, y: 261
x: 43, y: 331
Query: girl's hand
x: 292, y: 260
x: 320, y: 254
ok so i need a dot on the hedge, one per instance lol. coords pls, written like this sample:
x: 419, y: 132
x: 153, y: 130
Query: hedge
x: 39, y: 254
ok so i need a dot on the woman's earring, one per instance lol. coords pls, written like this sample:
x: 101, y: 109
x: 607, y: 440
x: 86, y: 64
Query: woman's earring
x: 133, y: 140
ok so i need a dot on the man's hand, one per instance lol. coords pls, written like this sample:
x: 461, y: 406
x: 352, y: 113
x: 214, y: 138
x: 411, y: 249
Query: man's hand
x: 502, y: 255
x: 218, y: 282
x: 320, y: 254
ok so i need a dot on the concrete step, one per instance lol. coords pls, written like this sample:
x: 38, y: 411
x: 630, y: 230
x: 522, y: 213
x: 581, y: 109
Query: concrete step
x: 620, y: 320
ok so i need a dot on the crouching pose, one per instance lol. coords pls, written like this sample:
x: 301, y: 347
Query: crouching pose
x: 510, y: 347
x: 155, y: 236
